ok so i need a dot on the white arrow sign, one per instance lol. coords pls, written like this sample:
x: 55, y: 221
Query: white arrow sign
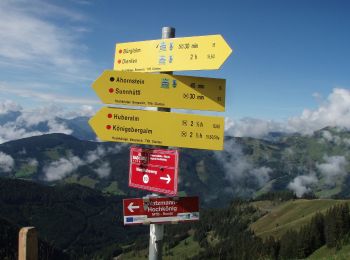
x: 131, y: 207
x: 167, y: 179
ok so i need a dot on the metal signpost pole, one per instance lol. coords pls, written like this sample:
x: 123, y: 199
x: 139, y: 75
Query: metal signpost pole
x: 157, y: 230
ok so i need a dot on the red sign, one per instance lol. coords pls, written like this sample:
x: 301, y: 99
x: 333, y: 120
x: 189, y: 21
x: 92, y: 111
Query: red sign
x: 160, y: 210
x: 154, y: 170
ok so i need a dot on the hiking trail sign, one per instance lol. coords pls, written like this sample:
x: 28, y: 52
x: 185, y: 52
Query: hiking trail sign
x: 160, y: 90
x: 160, y: 210
x: 207, y: 52
x: 154, y: 170
x: 159, y: 128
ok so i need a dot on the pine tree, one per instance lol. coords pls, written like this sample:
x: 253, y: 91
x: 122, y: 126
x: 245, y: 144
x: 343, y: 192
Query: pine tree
x: 272, y: 247
x: 346, y: 218
x: 288, y: 244
x: 304, y: 241
x: 317, y: 231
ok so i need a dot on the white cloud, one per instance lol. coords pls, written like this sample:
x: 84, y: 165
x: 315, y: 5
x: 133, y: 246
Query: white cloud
x: 94, y: 155
x: 346, y: 141
x: 333, y: 167
x: 239, y: 170
x: 262, y: 175
x: 334, y: 112
x: 30, y: 37
x: 251, y: 127
x: 43, y: 96
x: 84, y: 110
x: 289, y: 151
x: 301, y: 184
x: 57, y: 170
x: 28, y: 121
x: 8, y: 106
x: 25, y: 124
x: 103, y: 170
x: 329, y: 137
x: 63, y: 167
x: 33, y: 162
x: 9, y: 132
x: 6, y: 162
x: 317, y: 96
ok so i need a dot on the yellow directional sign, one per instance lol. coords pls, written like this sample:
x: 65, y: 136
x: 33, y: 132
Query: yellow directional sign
x: 189, y: 53
x: 160, y: 90
x: 159, y: 128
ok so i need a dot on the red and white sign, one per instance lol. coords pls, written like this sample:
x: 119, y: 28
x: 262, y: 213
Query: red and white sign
x: 160, y: 210
x: 154, y: 170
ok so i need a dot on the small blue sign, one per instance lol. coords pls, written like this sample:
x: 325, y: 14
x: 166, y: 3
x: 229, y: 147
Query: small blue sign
x: 174, y: 83
x: 162, y: 46
x: 165, y: 83
x: 162, y: 60
x: 129, y: 219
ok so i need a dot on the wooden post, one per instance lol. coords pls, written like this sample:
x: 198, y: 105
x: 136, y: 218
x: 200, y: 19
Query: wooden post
x: 28, y: 244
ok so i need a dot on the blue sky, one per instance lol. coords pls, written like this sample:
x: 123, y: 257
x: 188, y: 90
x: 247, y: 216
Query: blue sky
x: 288, y: 55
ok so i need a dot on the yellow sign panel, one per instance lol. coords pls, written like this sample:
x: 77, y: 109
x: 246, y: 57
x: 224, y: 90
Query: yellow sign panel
x: 159, y: 128
x: 160, y: 90
x: 188, y: 53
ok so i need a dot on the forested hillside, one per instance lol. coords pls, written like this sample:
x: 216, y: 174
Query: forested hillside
x: 86, y: 224
x: 248, y: 167
x: 227, y: 233
x: 72, y: 218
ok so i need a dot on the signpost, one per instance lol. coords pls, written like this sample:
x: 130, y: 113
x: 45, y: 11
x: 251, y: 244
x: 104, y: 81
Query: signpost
x: 189, y: 53
x: 159, y: 128
x: 160, y: 210
x: 154, y: 170
x: 160, y: 90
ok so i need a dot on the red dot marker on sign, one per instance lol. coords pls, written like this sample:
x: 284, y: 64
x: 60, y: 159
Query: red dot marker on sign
x: 109, y: 115
x: 108, y: 127
x: 120, y: 51
x: 119, y: 61
x: 111, y: 90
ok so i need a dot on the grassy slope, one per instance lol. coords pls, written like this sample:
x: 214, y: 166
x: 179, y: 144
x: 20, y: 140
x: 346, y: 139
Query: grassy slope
x: 288, y: 215
x: 183, y: 250
x: 325, y: 253
x: 280, y: 217
x: 84, y: 181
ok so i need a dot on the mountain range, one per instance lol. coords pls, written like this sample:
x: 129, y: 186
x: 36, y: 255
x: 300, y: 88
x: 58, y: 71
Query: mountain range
x: 248, y: 167
x: 70, y: 187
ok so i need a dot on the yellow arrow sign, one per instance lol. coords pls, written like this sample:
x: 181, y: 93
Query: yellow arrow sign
x: 188, y: 53
x: 160, y: 90
x: 159, y: 128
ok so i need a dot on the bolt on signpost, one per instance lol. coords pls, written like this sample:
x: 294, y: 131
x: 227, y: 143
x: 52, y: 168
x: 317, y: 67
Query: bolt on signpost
x: 156, y: 170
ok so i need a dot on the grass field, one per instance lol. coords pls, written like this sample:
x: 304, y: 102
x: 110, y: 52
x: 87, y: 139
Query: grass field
x: 26, y: 171
x: 288, y: 215
x: 114, y: 189
x: 279, y: 217
x: 184, y: 250
x: 85, y: 181
x: 325, y: 253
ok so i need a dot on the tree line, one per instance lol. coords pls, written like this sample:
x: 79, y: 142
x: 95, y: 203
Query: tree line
x: 225, y: 234
x: 331, y: 228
